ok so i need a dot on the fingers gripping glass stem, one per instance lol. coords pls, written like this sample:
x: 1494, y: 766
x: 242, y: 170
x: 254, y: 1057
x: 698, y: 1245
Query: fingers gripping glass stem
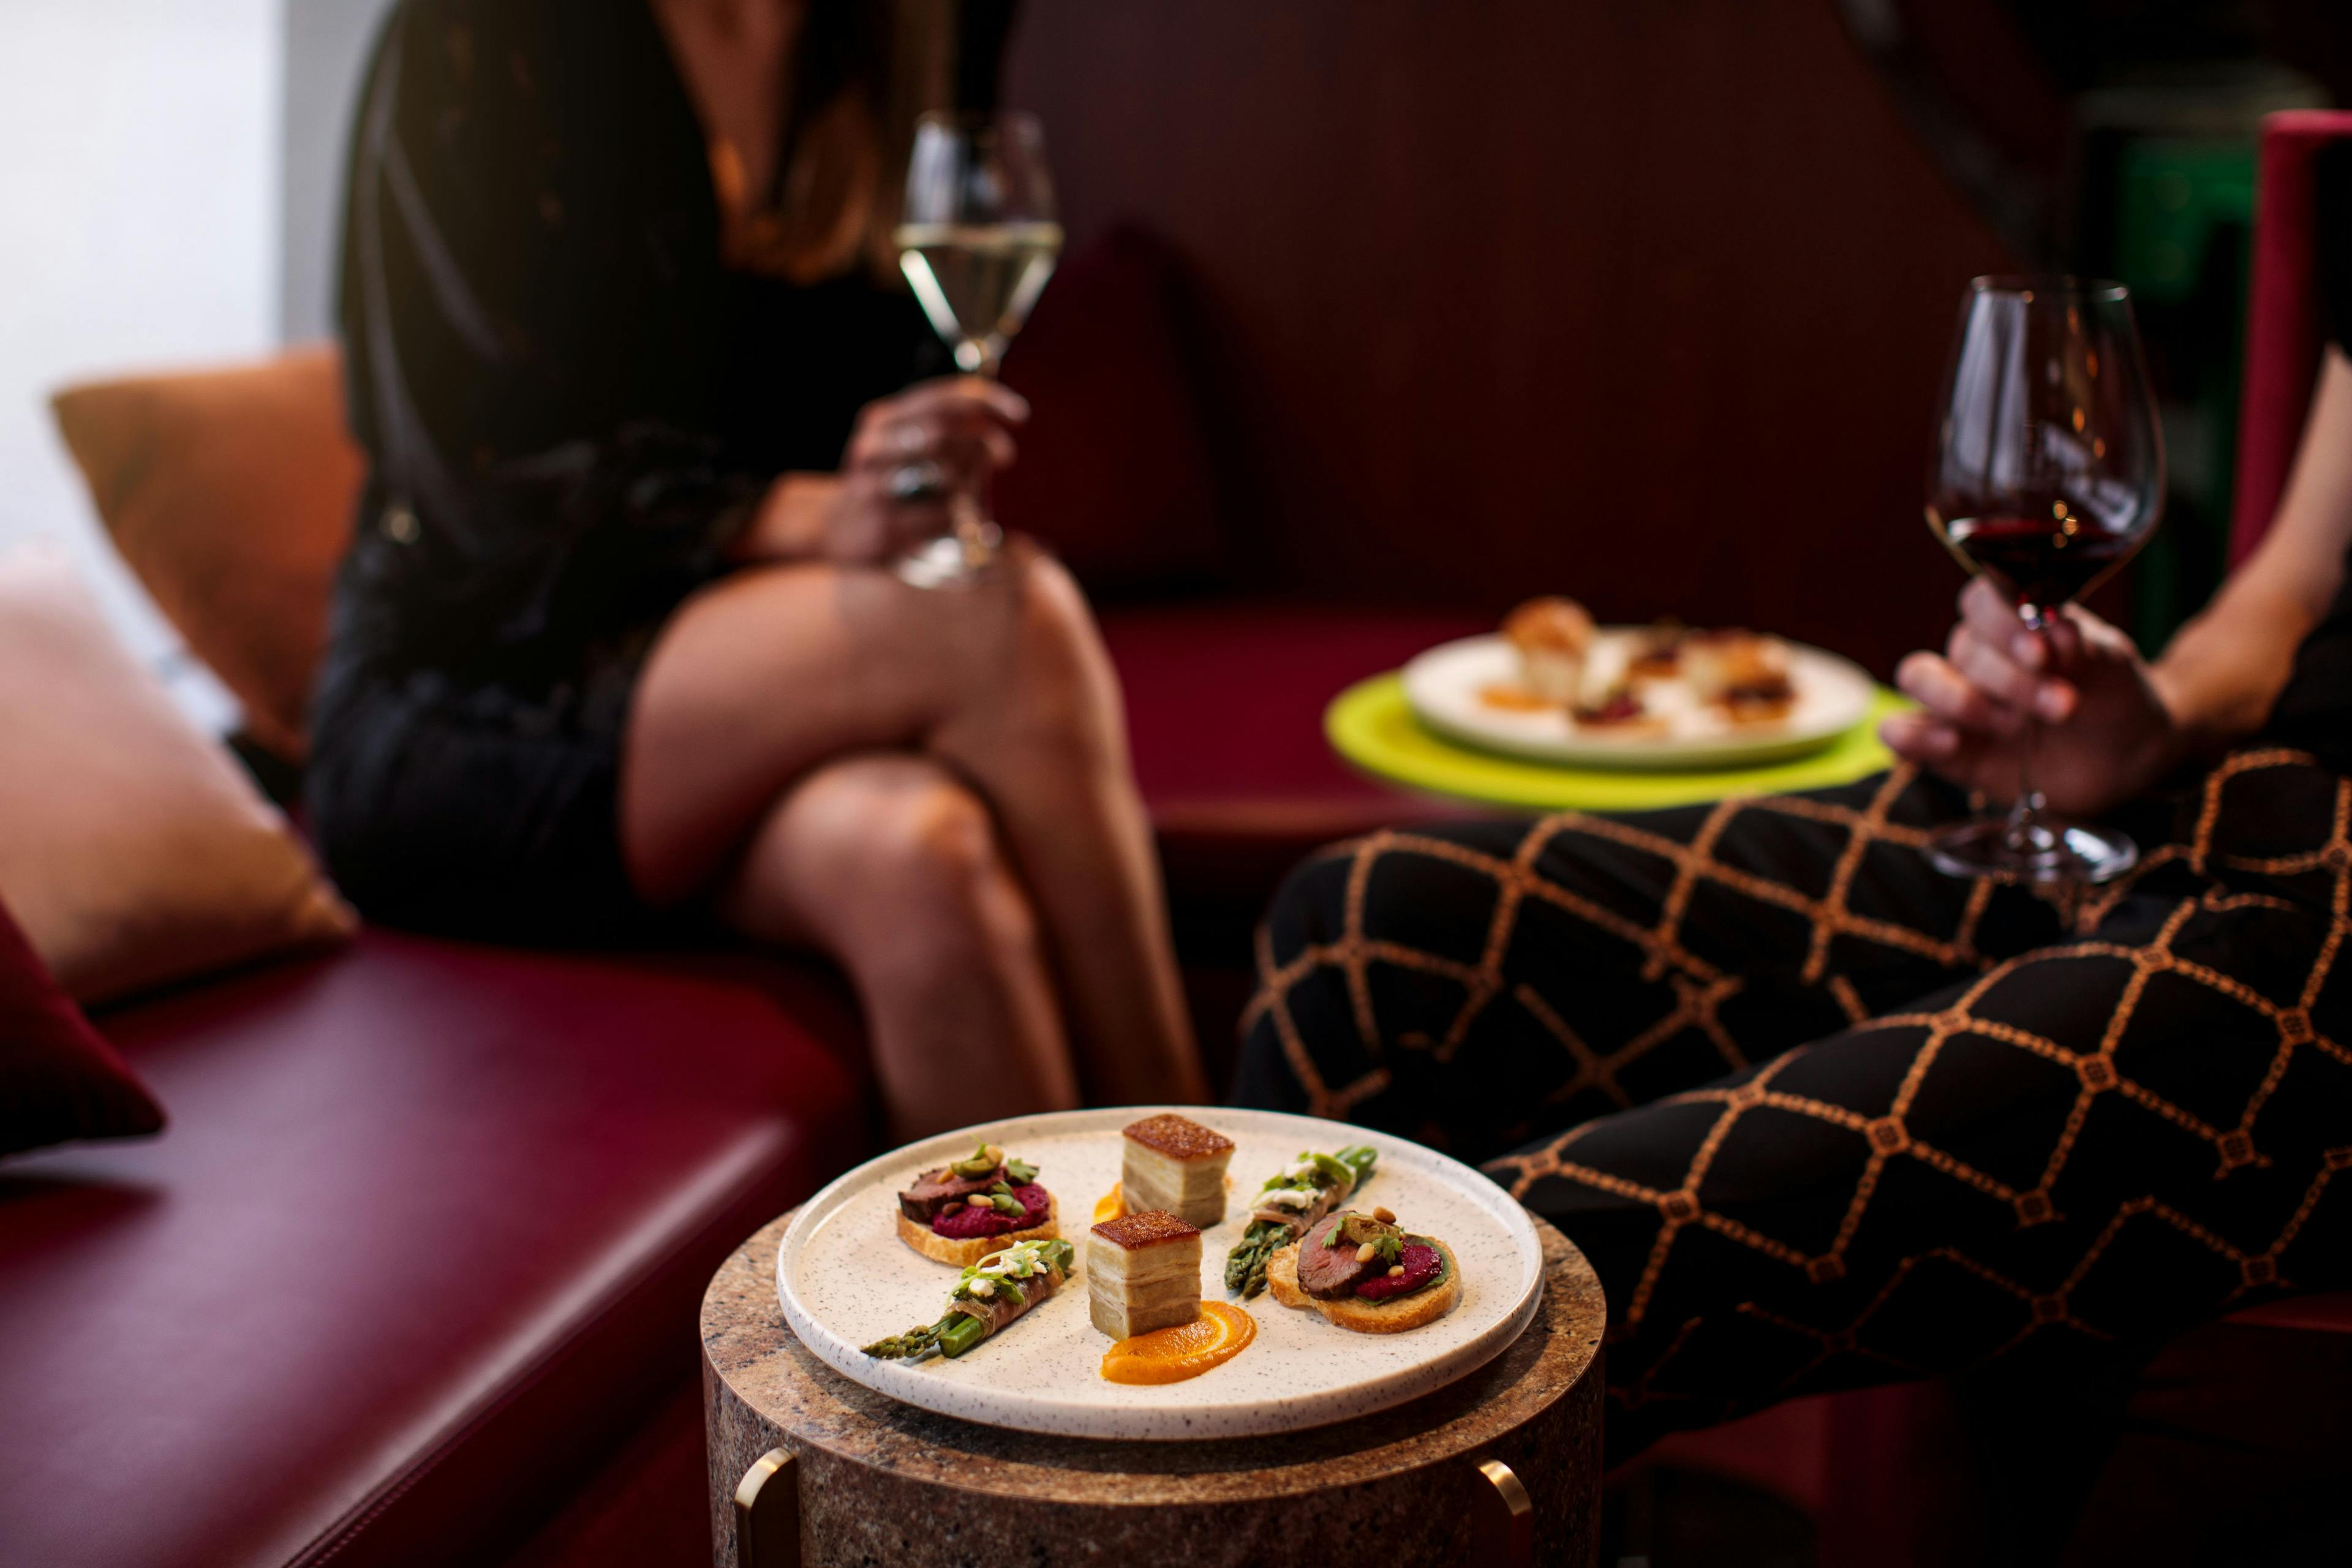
x: 2048, y: 474
x: 977, y: 241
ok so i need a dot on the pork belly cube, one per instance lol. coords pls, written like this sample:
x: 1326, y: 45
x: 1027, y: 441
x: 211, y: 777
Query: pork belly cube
x: 1176, y: 1165
x: 1143, y: 1272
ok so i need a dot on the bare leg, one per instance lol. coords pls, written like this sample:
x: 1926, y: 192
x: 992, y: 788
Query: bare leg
x: 891, y: 866
x: 760, y: 679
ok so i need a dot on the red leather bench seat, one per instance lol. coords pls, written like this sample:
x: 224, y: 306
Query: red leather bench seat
x: 1226, y: 700
x: 426, y: 1233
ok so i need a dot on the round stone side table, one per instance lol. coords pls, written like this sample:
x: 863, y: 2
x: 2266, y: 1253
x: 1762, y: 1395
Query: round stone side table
x: 811, y: 1470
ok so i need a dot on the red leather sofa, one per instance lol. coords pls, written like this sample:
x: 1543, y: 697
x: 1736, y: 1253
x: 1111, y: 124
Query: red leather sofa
x: 424, y: 1243
x: 1484, y: 306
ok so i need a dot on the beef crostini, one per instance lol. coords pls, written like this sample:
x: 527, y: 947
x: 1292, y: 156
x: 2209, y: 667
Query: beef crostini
x: 1362, y: 1272
x: 1143, y: 1272
x: 993, y: 1291
x: 1292, y: 1200
x: 962, y: 1211
x: 1174, y: 1165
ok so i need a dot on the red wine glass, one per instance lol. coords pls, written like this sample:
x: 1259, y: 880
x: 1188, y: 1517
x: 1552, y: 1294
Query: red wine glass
x: 2049, y: 473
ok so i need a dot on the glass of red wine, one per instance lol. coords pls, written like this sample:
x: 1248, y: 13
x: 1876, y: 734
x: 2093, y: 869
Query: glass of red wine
x: 2049, y: 473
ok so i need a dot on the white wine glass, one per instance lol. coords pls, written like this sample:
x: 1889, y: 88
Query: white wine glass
x: 977, y: 239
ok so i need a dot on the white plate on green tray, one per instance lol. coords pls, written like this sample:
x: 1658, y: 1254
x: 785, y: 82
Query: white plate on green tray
x: 845, y: 1281
x: 1447, y: 687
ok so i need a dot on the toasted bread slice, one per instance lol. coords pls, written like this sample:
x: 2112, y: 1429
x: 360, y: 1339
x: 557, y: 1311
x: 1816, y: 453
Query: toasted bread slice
x: 964, y: 1254
x: 1391, y: 1317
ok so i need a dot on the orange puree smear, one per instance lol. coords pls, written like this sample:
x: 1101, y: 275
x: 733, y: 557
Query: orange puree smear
x: 1112, y: 1206
x: 1515, y: 699
x: 1172, y: 1355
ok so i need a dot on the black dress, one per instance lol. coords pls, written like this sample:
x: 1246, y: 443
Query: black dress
x: 569, y: 404
x: 1822, y: 1117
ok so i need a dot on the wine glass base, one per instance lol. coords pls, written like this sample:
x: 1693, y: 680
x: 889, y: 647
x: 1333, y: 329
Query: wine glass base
x: 2049, y: 852
x: 951, y: 560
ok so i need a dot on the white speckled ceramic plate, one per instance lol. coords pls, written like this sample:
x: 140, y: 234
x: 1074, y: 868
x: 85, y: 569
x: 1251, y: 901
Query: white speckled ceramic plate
x: 1446, y: 688
x: 845, y: 1279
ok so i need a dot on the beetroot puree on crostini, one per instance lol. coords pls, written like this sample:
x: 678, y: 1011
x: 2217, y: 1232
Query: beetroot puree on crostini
x: 969, y: 1224
x: 1420, y: 1264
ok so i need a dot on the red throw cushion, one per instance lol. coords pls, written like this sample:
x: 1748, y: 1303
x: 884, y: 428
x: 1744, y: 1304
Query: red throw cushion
x: 1114, y: 471
x: 57, y: 1080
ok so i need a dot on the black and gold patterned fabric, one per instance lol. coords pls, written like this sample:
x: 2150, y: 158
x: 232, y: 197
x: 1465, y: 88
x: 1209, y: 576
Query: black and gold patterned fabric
x: 1822, y: 1116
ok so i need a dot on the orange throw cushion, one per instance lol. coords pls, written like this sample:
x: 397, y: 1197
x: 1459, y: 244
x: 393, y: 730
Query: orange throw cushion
x: 133, y: 850
x: 230, y: 493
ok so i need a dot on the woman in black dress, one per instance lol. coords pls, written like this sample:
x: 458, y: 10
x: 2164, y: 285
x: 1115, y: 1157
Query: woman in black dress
x: 617, y: 634
x: 1820, y: 1115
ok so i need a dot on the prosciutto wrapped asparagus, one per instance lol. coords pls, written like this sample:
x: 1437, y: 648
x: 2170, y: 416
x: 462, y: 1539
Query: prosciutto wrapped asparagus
x: 1290, y: 1202
x: 989, y: 1296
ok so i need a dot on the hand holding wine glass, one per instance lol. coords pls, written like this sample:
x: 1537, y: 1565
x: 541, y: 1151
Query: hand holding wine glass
x: 977, y: 240
x: 2049, y: 474
x: 2102, y: 729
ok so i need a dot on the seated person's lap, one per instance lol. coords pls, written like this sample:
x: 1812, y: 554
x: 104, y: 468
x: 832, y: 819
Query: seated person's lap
x: 1820, y: 1115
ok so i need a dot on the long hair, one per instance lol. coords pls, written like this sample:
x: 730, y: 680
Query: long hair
x: 863, y: 71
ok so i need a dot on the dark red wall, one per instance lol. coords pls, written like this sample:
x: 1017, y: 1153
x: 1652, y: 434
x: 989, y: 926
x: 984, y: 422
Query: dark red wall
x: 1643, y: 301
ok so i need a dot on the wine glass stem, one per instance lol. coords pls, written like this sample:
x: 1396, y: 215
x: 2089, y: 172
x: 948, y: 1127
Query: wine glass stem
x: 968, y: 513
x: 2025, y: 830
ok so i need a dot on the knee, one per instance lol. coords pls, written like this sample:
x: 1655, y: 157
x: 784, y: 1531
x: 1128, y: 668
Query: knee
x: 1064, y: 665
x: 930, y: 877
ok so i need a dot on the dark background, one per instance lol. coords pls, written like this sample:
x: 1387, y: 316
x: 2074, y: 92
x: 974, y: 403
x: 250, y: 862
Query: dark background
x: 1641, y: 302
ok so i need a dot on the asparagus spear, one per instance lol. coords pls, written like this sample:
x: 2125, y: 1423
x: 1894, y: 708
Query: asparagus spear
x: 950, y: 1337
x: 997, y: 1278
x: 1341, y: 1173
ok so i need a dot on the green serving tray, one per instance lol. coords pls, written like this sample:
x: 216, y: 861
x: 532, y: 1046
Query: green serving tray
x: 1372, y: 726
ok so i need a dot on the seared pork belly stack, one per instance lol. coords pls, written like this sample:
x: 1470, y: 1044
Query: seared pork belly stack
x: 1174, y: 1165
x: 1143, y: 1272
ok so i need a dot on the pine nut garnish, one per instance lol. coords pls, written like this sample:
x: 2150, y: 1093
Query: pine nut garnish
x: 1384, y: 1217
x: 1366, y: 1253
x: 952, y: 1206
x: 1396, y: 1270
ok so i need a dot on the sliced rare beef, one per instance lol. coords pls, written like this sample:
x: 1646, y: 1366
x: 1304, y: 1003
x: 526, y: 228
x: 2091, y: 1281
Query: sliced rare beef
x: 921, y: 1201
x: 1330, y: 1272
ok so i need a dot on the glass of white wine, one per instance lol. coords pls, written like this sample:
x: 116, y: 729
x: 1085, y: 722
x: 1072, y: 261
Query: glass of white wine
x: 977, y: 240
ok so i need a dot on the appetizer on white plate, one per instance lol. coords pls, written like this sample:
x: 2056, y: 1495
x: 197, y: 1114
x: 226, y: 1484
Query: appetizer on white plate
x: 1744, y: 673
x: 965, y: 1210
x: 1554, y: 638
x: 1364, y: 1273
x: 1143, y: 1272
x: 990, y: 1294
x: 1174, y: 1165
x: 1294, y: 1198
x: 1645, y: 682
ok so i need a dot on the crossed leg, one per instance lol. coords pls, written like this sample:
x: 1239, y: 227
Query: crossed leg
x: 934, y: 787
x: 1820, y: 1116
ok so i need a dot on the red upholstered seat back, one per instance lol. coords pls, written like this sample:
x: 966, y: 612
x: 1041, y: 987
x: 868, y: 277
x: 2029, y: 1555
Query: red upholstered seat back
x: 1643, y: 303
x: 2282, y: 329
